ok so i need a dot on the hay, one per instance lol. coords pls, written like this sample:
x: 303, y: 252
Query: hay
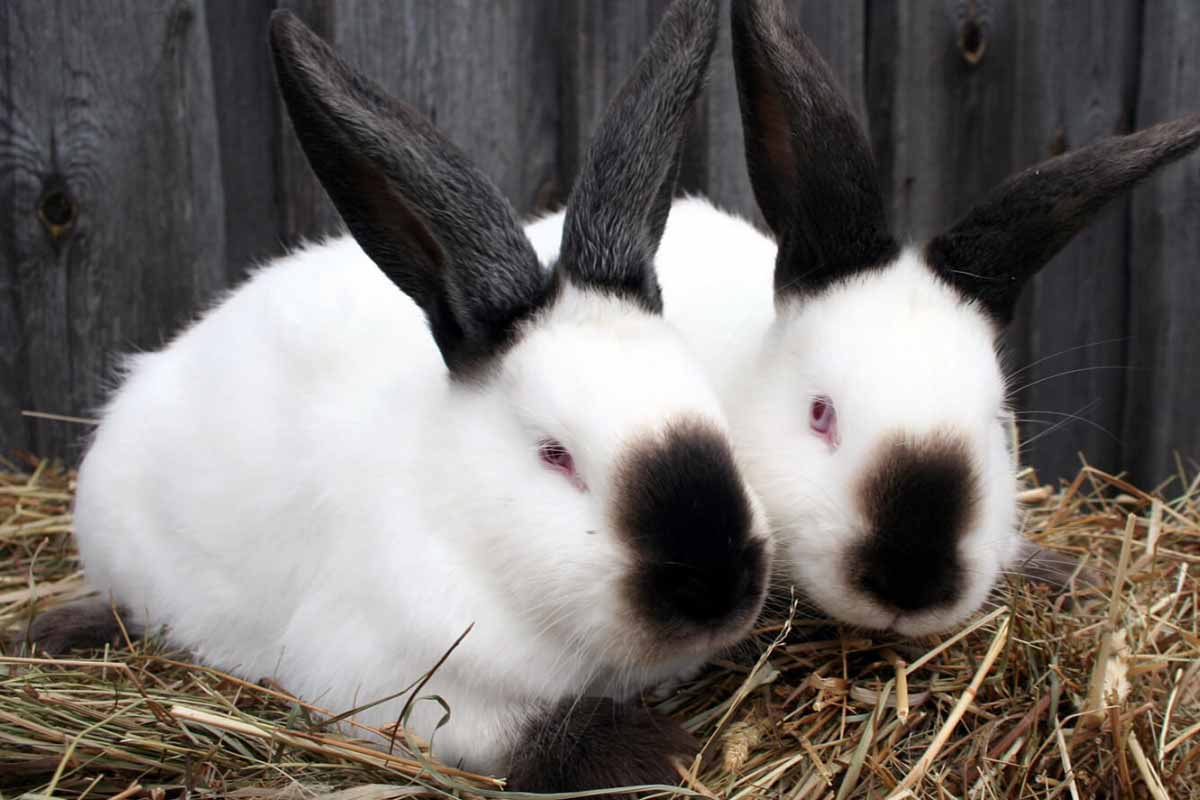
x: 1093, y: 693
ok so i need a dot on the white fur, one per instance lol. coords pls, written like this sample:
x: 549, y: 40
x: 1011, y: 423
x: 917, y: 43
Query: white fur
x: 296, y: 488
x: 895, y: 348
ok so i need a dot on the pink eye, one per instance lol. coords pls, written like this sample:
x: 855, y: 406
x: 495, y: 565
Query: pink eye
x: 558, y: 458
x: 822, y: 418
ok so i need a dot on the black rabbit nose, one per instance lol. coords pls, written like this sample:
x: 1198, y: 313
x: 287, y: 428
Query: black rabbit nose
x: 912, y: 581
x: 702, y: 594
x: 683, y: 509
x: 919, y: 500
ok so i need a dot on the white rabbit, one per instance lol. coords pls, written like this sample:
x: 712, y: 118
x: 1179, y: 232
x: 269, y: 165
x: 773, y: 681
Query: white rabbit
x: 297, y: 486
x: 862, y: 379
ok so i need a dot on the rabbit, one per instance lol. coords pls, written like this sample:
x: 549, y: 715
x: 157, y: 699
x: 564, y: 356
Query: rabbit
x: 863, y: 379
x: 304, y: 485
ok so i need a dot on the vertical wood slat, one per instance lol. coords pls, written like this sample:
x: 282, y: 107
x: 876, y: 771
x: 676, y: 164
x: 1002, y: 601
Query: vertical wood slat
x: 19, y: 151
x: 1077, y: 74
x: 247, y: 120
x: 1162, y: 412
x: 113, y: 222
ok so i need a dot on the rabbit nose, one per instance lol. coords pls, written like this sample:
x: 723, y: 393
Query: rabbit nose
x: 918, y: 499
x: 912, y: 581
x: 707, y: 593
x: 683, y: 511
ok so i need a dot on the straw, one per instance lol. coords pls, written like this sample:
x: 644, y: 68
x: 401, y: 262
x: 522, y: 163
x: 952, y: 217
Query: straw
x: 1041, y: 695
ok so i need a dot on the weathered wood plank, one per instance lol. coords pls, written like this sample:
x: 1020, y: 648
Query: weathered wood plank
x: 1162, y: 412
x: 113, y: 230
x: 16, y: 155
x: 247, y: 122
x: 1076, y: 80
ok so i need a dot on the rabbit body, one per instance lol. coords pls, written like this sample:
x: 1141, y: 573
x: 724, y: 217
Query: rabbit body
x: 300, y: 453
x: 380, y: 444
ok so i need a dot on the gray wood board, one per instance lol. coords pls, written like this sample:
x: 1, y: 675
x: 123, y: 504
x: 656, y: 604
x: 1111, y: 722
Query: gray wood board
x: 1162, y: 410
x: 247, y: 121
x: 1076, y: 82
x: 113, y: 228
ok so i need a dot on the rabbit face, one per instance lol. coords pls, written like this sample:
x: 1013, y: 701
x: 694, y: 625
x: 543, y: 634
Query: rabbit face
x: 890, y: 477
x: 641, y: 540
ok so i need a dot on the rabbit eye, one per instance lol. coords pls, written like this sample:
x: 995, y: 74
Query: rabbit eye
x: 822, y: 418
x: 558, y: 458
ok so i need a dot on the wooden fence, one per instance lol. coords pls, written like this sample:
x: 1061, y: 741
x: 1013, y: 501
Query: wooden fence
x: 144, y: 163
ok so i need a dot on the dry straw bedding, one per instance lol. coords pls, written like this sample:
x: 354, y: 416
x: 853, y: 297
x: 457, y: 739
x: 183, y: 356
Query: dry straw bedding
x: 1094, y: 693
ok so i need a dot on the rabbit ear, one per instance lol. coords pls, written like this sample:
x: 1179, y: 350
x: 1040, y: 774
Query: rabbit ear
x: 999, y: 244
x: 618, y: 208
x: 432, y: 222
x: 809, y: 161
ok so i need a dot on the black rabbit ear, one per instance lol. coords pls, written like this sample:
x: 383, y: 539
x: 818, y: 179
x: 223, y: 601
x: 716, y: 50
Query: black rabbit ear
x: 619, y: 206
x: 808, y: 157
x: 432, y: 222
x: 1004, y: 240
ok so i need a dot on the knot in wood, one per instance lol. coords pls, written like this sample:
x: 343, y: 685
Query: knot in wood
x: 972, y: 39
x: 57, y: 209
